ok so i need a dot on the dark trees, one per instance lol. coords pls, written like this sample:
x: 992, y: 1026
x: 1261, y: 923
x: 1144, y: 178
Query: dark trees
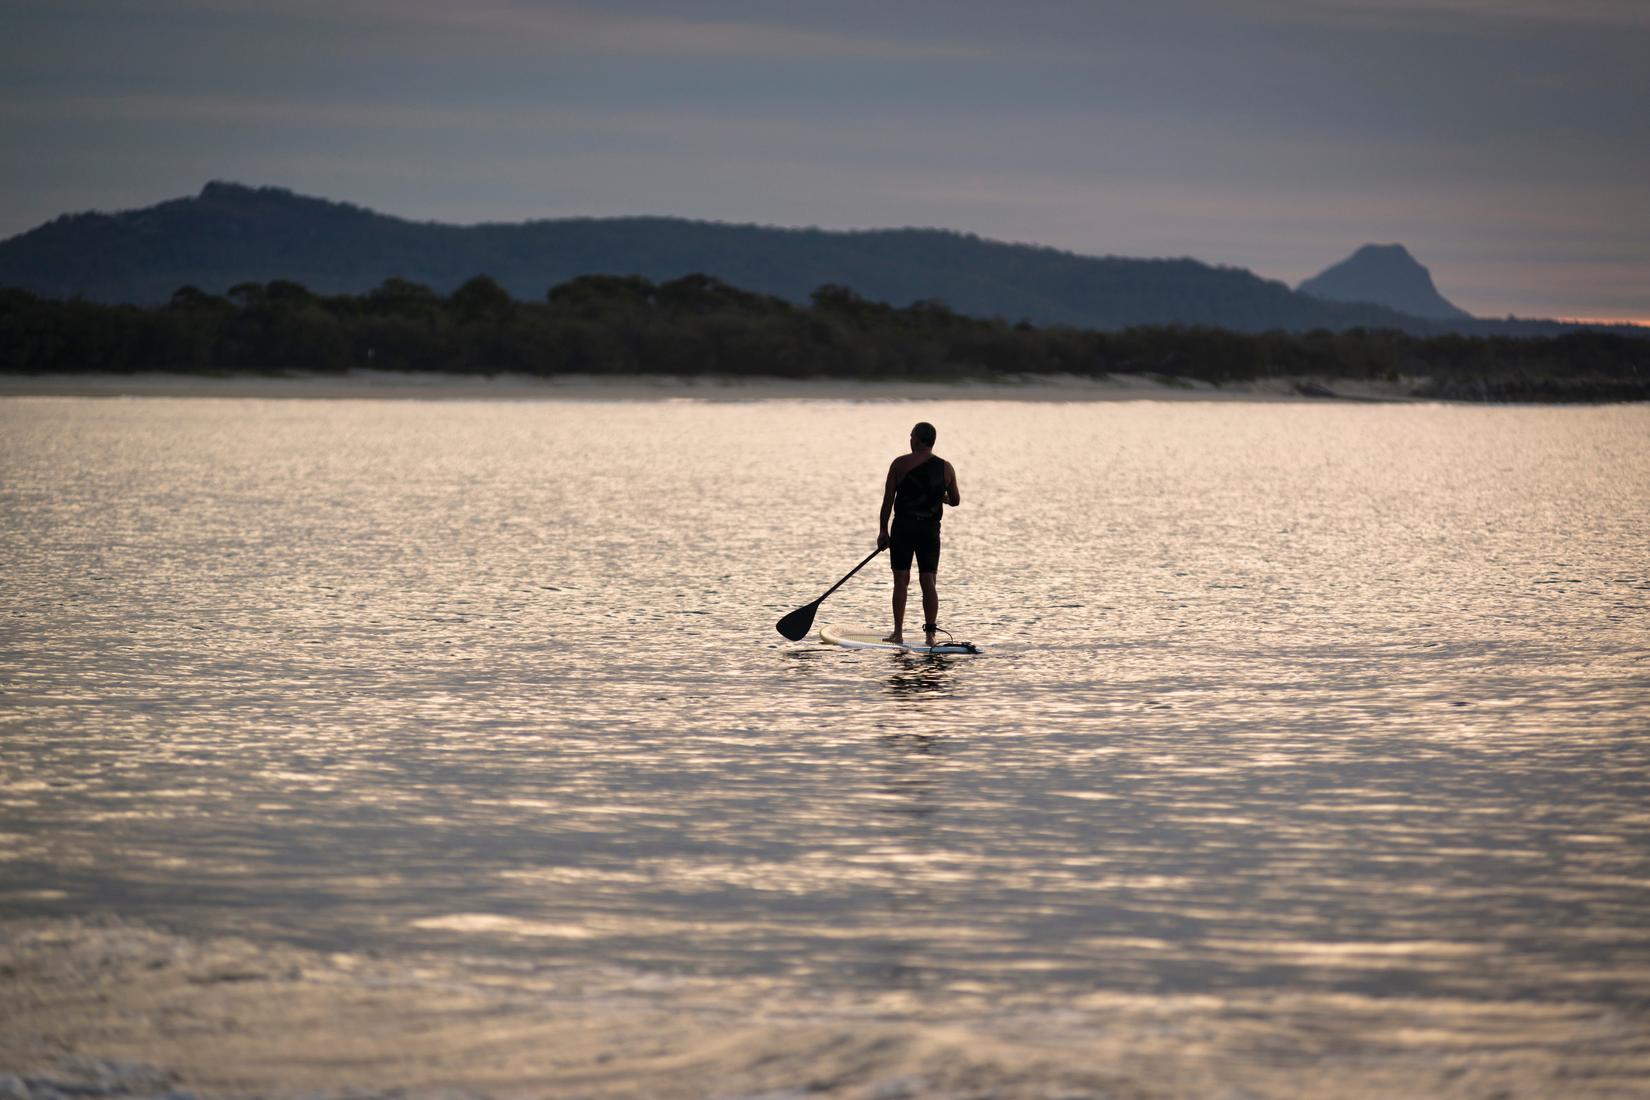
x: 605, y: 324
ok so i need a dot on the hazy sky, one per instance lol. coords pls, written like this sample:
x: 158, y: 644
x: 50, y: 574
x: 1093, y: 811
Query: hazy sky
x: 1506, y: 142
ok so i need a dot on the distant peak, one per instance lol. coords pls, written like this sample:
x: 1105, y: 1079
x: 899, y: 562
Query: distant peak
x: 1387, y: 275
x: 1383, y: 249
x: 1392, y: 257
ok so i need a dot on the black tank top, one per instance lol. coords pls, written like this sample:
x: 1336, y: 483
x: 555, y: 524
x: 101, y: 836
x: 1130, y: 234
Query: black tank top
x: 919, y: 498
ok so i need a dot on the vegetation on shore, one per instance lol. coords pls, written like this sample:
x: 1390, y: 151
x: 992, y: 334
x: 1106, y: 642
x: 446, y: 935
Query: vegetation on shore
x: 697, y: 325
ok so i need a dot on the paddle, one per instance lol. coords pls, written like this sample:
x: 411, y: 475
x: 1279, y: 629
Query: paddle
x: 796, y: 625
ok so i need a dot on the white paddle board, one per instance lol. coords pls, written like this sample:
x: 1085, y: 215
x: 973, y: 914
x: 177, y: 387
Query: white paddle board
x: 872, y: 639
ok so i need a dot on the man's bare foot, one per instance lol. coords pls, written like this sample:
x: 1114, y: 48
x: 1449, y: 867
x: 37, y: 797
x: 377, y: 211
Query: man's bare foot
x: 896, y: 637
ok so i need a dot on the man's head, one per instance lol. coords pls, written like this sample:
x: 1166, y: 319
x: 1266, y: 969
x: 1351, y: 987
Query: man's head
x: 923, y: 436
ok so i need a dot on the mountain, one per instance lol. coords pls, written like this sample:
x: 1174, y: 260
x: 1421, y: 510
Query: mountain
x: 230, y: 234
x: 1387, y: 275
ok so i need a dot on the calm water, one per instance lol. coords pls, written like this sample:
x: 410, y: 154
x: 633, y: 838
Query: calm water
x: 1278, y: 698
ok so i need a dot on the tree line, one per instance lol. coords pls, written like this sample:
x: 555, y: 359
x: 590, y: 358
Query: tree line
x: 698, y: 325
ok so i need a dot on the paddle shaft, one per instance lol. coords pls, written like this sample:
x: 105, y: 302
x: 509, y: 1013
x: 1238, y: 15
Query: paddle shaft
x: 795, y: 625
x: 851, y: 572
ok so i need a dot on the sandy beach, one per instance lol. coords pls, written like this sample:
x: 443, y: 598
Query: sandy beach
x: 376, y: 385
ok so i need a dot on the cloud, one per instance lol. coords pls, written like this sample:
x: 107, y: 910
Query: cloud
x: 198, y: 110
x: 518, y: 26
x: 1461, y: 14
x: 589, y: 30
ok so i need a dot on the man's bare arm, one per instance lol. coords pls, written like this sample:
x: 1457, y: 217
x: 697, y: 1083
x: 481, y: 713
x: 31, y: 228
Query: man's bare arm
x: 887, y: 510
x: 952, y: 496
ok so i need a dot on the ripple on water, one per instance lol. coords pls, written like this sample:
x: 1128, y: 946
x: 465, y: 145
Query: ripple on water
x: 1341, y: 701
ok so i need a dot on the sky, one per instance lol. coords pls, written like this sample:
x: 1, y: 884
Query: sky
x: 1506, y: 143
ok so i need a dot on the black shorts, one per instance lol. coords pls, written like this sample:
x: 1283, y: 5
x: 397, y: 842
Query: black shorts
x: 922, y: 541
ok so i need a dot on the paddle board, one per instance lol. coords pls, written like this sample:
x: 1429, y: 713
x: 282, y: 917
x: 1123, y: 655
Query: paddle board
x: 872, y: 639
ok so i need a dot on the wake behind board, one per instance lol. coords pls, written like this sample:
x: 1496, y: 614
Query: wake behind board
x: 872, y: 639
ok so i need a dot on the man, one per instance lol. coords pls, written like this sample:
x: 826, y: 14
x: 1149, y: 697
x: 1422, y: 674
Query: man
x: 920, y: 484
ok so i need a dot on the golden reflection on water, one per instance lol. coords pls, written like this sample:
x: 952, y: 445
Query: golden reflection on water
x: 1339, y: 700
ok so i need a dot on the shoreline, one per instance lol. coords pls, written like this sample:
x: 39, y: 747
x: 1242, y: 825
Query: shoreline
x: 398, y: 385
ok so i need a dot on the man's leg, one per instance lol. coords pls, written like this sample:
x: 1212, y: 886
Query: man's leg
x: 930, y: 602
x: 902, y: 582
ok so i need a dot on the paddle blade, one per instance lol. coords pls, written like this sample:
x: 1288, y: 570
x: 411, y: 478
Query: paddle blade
x: 796, y: 625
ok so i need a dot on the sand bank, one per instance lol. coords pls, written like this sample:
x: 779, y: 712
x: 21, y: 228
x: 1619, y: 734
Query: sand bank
x: 516, y: 387
x: 104, y: 1007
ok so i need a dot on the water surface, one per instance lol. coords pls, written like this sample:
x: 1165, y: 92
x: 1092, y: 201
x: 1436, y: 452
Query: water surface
x: 1339, y: 703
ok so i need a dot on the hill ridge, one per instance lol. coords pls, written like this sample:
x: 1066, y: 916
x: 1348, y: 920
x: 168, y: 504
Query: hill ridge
x: 231, y: 233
